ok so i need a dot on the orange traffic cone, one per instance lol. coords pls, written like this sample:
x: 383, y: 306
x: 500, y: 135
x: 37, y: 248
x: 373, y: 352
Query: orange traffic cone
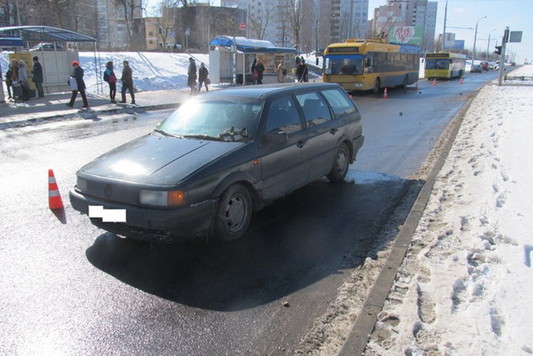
x: 54, y: 198
x: 461, y: 81
x: 385, y: 95
x: 434, y: 82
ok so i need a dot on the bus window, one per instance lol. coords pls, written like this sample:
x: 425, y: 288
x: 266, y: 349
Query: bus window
x: 339, y: 65
x: 437, y: 63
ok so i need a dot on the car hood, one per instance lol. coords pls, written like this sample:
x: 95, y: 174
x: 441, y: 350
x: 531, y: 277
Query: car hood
x: 158, y: 160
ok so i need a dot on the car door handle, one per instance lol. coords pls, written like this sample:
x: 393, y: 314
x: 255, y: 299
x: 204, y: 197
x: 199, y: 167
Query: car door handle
x: 333, y: 131
x: 301, y: 143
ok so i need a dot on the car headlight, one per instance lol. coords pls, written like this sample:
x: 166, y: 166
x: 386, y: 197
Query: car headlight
x: 81, y: 184
x: 162, y: 197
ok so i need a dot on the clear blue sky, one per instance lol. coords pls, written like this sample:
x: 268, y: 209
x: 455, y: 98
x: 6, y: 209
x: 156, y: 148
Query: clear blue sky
x: 462, y: 18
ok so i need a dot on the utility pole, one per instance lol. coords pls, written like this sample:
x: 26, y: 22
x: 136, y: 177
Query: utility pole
x: 502, y: 58
x: 444, y: 29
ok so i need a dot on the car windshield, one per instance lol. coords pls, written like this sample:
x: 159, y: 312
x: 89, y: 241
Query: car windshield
x: 220, y: 119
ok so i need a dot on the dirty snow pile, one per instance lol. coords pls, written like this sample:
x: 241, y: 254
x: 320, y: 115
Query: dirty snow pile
x: 465, y: 286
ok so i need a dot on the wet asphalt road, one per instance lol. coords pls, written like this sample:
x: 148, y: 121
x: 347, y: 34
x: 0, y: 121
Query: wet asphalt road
x: 70, y: 288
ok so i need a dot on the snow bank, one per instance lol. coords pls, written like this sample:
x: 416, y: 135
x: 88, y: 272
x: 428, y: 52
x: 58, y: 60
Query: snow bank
x: 465, y: 286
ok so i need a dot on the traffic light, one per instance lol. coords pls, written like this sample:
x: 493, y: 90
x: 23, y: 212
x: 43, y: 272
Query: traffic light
x: 498, y: 50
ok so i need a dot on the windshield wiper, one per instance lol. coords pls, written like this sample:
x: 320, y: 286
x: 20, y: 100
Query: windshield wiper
x: 203, y: 137
x: 164, y: 133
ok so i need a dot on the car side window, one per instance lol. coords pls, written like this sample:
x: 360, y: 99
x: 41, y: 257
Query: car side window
x: 283, y: 116
x: 315, y: 109
x: 340, y: 104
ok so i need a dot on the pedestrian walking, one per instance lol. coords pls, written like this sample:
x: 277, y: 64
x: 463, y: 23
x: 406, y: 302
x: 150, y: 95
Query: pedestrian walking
x: 111, y: 79
x: 281, y: 71
x: 203, y: 77
x: 9, y: 82
x: 260, y: 68
x: 38, y: 77
x: 191, y: 75
x: 127, y: 82
x: 77, y: 77
x: 23, y: 80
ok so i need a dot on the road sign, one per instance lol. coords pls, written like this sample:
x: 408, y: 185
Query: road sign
x: 516, y: 36
x: 242, y: 26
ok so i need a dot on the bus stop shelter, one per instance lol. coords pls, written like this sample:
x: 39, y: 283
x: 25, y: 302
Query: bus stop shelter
x: 231, y: 58
x: 56, y: 63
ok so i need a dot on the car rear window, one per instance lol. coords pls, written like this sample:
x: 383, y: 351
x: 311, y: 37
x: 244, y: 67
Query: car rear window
x: 338, y: 101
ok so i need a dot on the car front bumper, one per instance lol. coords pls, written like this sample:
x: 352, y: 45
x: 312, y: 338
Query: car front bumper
x: 152, y: 224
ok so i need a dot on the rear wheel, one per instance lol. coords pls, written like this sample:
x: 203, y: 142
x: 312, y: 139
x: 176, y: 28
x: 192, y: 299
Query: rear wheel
x: 377, y: 86
x: 341, y: 164
x: 234, y: 213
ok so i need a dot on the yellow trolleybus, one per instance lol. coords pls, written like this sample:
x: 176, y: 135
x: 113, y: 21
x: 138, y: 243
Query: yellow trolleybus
x: 444, y: 65
x: 370, y: 64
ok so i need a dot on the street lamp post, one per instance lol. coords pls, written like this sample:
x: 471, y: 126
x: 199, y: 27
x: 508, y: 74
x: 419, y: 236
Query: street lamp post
x: 475, y: 38
x: 488, y: 43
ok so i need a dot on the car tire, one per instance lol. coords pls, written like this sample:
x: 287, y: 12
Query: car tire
x: 377, y: 86
x: 234, y: 213
x: 341, y: 164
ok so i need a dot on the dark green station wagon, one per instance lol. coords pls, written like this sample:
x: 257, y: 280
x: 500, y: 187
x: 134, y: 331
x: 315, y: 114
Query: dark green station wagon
x: 219, y: 157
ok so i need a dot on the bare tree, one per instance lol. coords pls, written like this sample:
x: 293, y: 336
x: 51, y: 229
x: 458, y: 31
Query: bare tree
x: 165, y: 19
x: 259, y: 23
x: 130, y: 8
x: 296, y: 14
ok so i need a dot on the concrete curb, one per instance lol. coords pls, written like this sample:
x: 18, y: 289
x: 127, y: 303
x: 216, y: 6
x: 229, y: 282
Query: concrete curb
x: 84, y: 115
x: 363, y: 326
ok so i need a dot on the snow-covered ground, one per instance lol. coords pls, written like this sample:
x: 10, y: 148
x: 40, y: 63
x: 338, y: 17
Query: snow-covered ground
x: 151, y: 70
x: 465, y: 286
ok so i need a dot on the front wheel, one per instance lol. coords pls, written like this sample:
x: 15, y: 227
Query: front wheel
x: 341, y: 164
x: 234, y: 213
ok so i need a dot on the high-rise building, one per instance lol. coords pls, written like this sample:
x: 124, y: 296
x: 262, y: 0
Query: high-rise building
x: 354, y: 19
x: 420, y: 15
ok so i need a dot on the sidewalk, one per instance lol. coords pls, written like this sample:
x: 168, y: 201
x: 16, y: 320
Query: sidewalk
x: 53, y: 106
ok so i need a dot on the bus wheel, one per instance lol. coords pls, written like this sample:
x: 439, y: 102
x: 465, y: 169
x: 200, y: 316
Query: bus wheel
x: 377, y: 86
x: 405, y: 82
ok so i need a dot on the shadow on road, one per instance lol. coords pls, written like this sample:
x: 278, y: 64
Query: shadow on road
x: 319, y: 230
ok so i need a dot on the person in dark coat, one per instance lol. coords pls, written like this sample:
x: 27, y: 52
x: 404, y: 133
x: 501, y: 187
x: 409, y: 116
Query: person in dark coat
x: 255, y: 74
x: 9, y: 81
x: 191, y: 75
x: 127, y: 82
x: 202, y: 77
x: 260, y: 69
x: 111, y: 79
x: 302, y: 72
x: 38, y: 77
x: 77, y: 74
